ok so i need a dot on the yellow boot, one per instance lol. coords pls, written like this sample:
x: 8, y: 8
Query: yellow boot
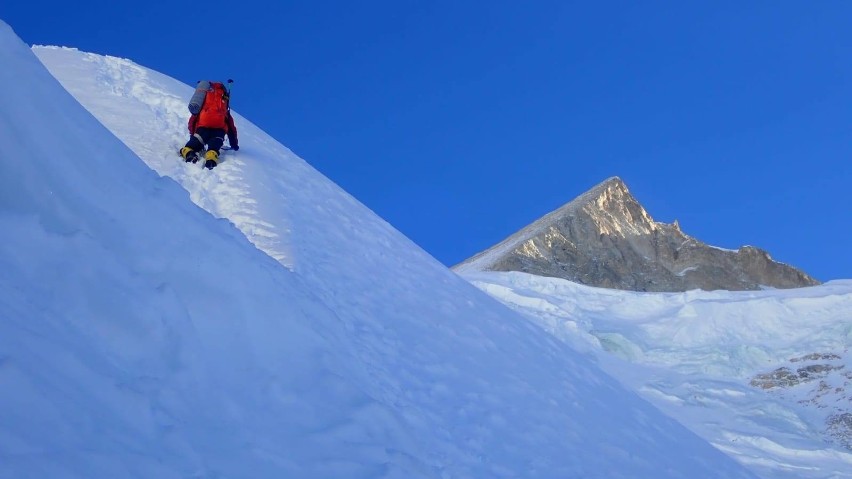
x: 188, y: 154
x: 211, y: 159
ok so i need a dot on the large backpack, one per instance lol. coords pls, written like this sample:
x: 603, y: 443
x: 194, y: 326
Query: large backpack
x: 215, y: 109
x: 201, y: 90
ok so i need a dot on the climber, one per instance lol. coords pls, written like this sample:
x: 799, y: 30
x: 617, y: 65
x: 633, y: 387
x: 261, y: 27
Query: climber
x: 210, y: 121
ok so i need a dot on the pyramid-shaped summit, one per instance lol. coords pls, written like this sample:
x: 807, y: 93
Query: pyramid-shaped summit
x: 605, y: 238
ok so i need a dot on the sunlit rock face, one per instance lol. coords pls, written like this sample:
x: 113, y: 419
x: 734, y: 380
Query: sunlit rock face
x: 606, y: 238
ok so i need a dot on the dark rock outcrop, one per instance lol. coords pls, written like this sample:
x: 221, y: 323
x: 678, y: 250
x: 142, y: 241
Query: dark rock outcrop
x: 839, y: 427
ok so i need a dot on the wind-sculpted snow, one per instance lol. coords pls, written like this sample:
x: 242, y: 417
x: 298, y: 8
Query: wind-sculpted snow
x: 142, y: 337
x: 762, y: 375
x: 150, y: 112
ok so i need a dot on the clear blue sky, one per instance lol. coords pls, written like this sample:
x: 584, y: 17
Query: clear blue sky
x: 461, y: 122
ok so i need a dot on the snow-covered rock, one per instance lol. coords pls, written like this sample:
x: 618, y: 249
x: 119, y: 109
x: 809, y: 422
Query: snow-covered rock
x: 762, y: 375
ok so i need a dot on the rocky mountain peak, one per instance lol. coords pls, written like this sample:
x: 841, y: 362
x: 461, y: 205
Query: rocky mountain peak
x: 606, y: 238
x: 614, y: 210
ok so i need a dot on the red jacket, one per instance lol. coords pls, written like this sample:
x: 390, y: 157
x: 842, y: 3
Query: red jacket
x: 228, y: 125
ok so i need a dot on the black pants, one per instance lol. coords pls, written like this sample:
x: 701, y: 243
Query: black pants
x: 214, y: 138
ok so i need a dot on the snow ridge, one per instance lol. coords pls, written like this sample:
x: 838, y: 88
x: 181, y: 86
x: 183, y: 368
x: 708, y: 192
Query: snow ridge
x: 143, y: 337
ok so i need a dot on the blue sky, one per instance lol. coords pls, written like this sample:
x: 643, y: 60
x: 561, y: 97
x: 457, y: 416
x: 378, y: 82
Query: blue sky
x: 461, y: 122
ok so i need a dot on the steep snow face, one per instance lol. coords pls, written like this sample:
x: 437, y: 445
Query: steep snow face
x: 765, y: 376
x: 142, y: 337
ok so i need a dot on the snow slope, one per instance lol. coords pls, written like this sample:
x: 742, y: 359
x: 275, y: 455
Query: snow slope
x: 140, y: 336
x: 696, y: 356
